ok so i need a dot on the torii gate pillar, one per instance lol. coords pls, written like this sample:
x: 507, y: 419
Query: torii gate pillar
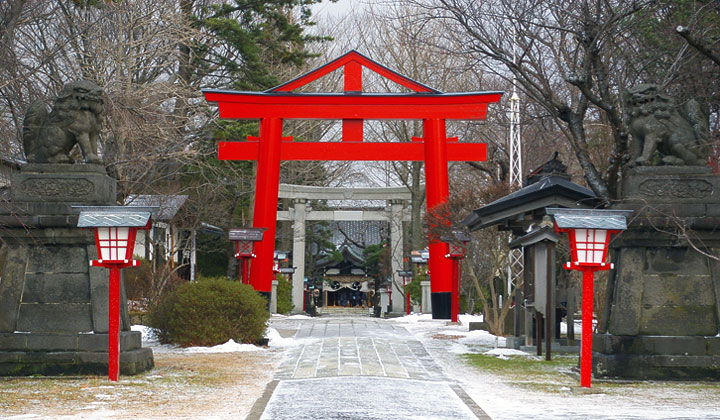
x: 437, y: 190
x: 267, y: 181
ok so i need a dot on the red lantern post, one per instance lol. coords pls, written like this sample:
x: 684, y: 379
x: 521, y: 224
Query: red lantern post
x: 407, y: 278
x: 589, y: 234
x: 244, y: 243
x: 456, y: 252
x: 115, y: 231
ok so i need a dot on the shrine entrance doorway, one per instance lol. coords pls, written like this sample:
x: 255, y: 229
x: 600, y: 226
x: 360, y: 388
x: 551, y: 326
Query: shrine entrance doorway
x: 352, y: 106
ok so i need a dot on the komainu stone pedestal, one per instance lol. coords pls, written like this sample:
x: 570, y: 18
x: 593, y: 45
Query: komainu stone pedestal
x: 663, y: 309
x: 53, y: 305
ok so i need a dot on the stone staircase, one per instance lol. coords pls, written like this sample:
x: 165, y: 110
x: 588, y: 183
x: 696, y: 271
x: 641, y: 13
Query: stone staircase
x: 342, y: 311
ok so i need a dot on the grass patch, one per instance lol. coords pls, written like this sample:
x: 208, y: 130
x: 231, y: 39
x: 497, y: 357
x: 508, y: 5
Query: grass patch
x: 558, y: 376
x: 529, y: 372
x: 514, y: 364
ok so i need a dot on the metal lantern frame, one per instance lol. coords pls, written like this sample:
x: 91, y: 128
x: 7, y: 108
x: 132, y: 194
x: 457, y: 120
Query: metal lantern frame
x: 277, y: 257
x: 115, y: 231
x: 245, y: 239
x: 406, y: 274
x: 420, y: 257
x: 589, y: 233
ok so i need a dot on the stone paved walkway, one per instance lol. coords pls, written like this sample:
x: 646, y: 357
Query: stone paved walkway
x: 358, y: 347
x: 359, y: 368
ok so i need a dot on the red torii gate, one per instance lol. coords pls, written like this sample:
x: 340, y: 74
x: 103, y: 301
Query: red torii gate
x: 352, y: 107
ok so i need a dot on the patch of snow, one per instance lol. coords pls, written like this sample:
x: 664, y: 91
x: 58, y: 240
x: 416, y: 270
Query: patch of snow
x: 149, y: 340
x: 148, y: 336
x: 483, y: 338
x: 299, y: 317
x: 276, y: 340
x: 506, y: 352
x: 458, y: 348
x: 230, y: 347
x: 466, y: 319
x: 413, y: 318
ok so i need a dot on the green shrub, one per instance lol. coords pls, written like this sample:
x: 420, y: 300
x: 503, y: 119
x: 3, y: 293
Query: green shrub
x: 208, y: 312
x: 284, y: 295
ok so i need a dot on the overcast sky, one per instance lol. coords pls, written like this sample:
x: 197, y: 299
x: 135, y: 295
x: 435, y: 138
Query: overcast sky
x: 340, y: 8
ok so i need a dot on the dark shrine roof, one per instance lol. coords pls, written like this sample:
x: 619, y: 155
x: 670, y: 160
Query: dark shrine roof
x: 548, y: 191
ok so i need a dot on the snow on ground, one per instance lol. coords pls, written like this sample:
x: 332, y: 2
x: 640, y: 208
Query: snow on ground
x: 503, y: 353
x: 230, y: 347
x: 149, y: 340
x: 505, y: 399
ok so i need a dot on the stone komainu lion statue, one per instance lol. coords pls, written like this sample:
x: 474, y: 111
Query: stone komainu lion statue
x: 76, y: 117
x: 679, y: 135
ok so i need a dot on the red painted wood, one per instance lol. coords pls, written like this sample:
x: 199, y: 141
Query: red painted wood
x: 344, y: 151
x: 407, y: 300
x: 114, y: 323
x: 455, y: 300
x: 352, y: 77
x: 352, y: 57
x: 352, y: 129
x: 224, y: 97
x: 266, y: 198
x: 245, y: 276
x: 249, y: 111
x: 587, y: 328
x: 436, y: 186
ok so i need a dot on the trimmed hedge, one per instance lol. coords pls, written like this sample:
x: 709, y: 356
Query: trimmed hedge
x: 209, y: 312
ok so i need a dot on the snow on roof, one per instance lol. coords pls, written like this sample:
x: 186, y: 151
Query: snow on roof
x: 168, y: 205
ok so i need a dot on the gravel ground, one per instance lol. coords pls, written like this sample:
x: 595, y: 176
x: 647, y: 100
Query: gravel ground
x: 183, y: 385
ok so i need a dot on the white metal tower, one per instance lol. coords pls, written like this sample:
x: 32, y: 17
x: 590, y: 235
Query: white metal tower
x: 515, y: 258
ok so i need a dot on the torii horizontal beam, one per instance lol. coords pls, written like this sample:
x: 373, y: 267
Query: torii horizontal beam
x: 312, y: 192
x: 447, y: 106
x: 352, y: 151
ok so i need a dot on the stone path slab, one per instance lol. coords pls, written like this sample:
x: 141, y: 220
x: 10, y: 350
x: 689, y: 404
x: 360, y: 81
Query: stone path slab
x: 360, y: 369
x: 357, y: 347
x: 365, y: 398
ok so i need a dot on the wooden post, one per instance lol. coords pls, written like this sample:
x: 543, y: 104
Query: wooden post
x: 549, y: 309
x: 114, y: 324
x: 587, y: 327
x: 516, y: 312
x: 571, y: 316
x: 538, y: 332
x: 527, y: 281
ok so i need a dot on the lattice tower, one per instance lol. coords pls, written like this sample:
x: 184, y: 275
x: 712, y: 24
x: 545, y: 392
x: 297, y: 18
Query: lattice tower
x: 515, y: 257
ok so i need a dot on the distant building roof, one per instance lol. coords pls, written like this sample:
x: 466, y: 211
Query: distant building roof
x: 168, y: 205
x: 351, y: 238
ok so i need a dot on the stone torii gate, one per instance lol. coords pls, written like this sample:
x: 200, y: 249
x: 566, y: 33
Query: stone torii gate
x: 394, y: 214
x: 352, y: 107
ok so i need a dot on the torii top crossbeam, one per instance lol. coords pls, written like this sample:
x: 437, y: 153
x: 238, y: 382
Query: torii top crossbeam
x: 352, y: 106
